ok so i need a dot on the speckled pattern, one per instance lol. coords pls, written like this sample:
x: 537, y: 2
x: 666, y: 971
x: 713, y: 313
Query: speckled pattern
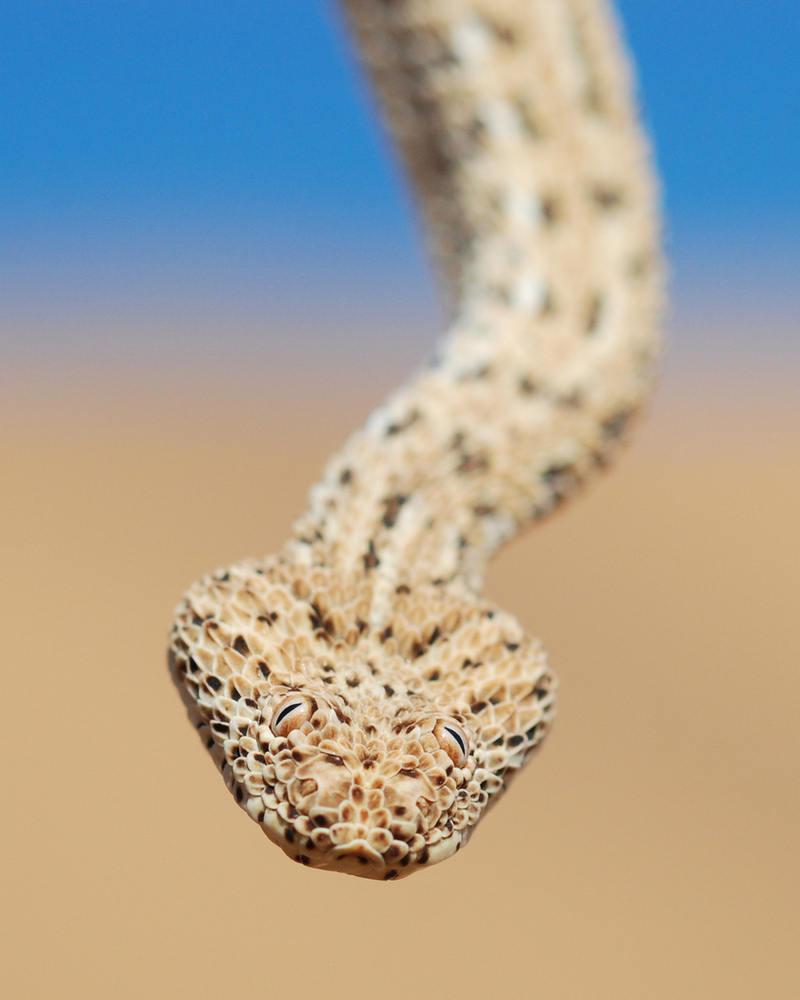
x: 363, y: 703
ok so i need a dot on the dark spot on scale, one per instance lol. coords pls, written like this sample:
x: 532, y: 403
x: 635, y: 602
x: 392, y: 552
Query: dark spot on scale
x: 239, y: 793
x: 457, y: 440
x: 403, y: 589
x: 483, y: 510
x: 512, y: 647
x: 502, y: 32
x: 209, y: 743
x: 406, y: 861
x: 434, y: 675
x: 472, y: 463
x: 490, y: 615
x: 194, y: 667
x: 400, y: 810
x: 260, y: 758
x: 304, y: 859
x: 321, y: 821
x: 424, y: 856
x: 527, y: 117
x: 289, y: 834
x: 390, y: 875
x: 551, y: 209
x: 234, y: 693
x: 220, y: 727
x: 477, y: 707
x: 371, y: 559
x: 389, y: 690
x: 385, y: 634
x: 327, y: 668
x: 327, y: 680
x: 514, y: 741
x: 392, y: 509
x: 594, y: 313
x: 571, y: 400
x: 261, y: 816
x: 353, y: 682
x: 614, y: 426
x: 196, y: 619
x: 555, y: 473
x: 606, y: 197
x: 223, y: 578
x: 404, y: 424
x: 264, y: 618
x: 361, y: 625
x: 240, y: 645
x: 526, y: 386
x: 341, y: 716
x: 548, y: 307
x: 269, y: 789
x: 346, y: 477
x: 213, y: 682
x: 264, y: 669
x: 250, y: 703
x: 293, y: 813
x: 362, y: 861
x: 530, y: 733
x: 466, y: 664
x: 417, y: 649
x: 409, y: 772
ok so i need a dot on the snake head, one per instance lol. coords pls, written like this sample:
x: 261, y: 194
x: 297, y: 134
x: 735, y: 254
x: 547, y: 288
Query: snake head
x: 372, y: 749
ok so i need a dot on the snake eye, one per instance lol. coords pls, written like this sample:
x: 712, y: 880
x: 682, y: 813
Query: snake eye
x: 453, y: 740
x: 290, y: 713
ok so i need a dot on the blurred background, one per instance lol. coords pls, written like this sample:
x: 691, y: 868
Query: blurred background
x: 210, y: 272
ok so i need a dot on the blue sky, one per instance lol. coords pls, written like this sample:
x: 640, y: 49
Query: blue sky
x: 185, y: 164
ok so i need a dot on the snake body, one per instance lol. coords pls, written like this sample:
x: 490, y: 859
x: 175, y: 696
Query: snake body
x: 364, y: 704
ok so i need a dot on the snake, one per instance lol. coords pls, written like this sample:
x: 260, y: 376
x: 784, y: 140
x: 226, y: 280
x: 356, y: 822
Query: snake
x: 364, y: 703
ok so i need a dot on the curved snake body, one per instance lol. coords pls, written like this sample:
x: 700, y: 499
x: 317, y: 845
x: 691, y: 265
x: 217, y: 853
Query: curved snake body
x: 363, y: 703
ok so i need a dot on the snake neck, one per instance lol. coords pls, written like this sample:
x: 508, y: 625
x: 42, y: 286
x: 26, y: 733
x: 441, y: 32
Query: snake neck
x: 517, y: 128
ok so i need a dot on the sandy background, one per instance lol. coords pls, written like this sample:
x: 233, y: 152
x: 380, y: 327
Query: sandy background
x: 651, y: 850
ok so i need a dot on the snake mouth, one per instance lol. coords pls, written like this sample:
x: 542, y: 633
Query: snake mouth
x: 359, y: 851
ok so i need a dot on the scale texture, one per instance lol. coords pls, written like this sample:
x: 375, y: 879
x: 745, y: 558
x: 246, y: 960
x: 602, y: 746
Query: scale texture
x: 364, y: 704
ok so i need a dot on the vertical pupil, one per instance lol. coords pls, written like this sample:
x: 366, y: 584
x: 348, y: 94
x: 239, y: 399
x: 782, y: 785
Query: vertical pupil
x: 457, y: 737
x: 286, y: 710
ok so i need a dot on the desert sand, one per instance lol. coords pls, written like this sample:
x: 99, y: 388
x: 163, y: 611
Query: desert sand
x: 652, y: 849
